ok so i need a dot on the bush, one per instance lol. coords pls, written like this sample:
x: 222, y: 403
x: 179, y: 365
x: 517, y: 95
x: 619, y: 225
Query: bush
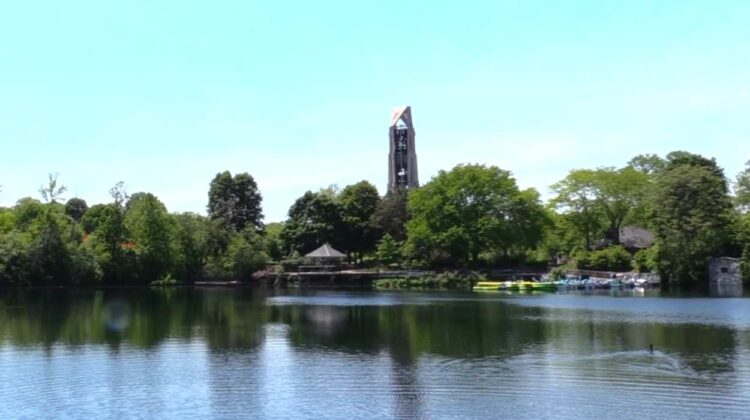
x: 615, y: 258
x: 644, y: 261
x: 557, y: 273
x: 166, y: 280
x: 15, y: 265
x: 445, y: 280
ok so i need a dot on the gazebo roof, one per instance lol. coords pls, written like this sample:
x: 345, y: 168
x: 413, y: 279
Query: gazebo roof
x: 325, y: 251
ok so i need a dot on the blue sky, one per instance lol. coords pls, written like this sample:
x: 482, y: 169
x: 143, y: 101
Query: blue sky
x: 164, y: 94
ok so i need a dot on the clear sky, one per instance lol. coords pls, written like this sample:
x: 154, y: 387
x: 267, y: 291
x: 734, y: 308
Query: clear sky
x: 164, y: 94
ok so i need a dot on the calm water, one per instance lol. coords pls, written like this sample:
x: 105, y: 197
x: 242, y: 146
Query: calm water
x: 239, y: 353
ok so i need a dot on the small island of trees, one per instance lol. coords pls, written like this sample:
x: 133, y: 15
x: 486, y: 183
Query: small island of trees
x: 471, y: 217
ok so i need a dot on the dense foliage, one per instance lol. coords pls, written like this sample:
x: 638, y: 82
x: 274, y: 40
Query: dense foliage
x: 614, y: 258
x: 598, y: 202
x: 131, y: 240
x: 235, y: 202
x: 691, y: 216
x: 470, y: 211
x: 470, y: 216
x: 684, y: 199
x: 343, y: 219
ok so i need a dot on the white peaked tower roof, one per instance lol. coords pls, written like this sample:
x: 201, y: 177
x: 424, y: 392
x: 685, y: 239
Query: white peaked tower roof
x: 402, y: 112
x: 325, y: 251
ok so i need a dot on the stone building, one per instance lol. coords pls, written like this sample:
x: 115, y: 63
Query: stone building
x: 725, y: 271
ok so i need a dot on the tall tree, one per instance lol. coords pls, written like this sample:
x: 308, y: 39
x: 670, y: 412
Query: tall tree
x: 150, y: 230
x: 742, y: 189
x: 189, y: 245
x: 235, y: 201
x: 577, y: 198
x: 604, y: 197
x: 50, y: 260
x: 470, y: 210
x: 358, y: 203
x: 314, y: 219
x: 274, y: 245
x: 76, y: 208
x: 110, y: 240
x: 680, y: 158
x: 392, y: 214
x: 93, y: 217
x: 691, y: 214
x: 648, y: 164
x: 245, y: 255
x: 52, y: 191
x: 27, y: 210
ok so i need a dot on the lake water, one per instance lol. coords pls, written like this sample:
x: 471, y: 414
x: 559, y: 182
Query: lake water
x: 243, y: 353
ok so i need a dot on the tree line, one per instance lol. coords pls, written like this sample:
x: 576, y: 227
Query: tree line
x: 471, y: 216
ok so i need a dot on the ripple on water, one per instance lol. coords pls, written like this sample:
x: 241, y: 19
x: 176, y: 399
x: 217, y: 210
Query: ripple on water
x: 636, y: 382
x: 339, y: 299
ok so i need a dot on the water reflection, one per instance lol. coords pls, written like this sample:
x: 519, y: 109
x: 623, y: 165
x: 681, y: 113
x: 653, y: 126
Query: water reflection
x: 391, y: 355
x: 406, y: 327
x: 725, y: 290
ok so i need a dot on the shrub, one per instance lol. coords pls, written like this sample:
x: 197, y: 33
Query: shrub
x: 615, y: 258
x: 644, y: 261
x: 445, y: 280
x: 556, y: 273
x: 165, y: 280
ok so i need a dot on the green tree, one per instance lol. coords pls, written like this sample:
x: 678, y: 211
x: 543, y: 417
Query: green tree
x: 601, y: 198
x: 358, y: 203
x: 52, y: 191
x: 392, y: 214
x: 470, y: 210
x: 189, y: 245
x: 274, y: 245
x: 742, y: 243
x: 93, y: 217
x: 691, y: 213
x: 577, y: 198
x: 742, y: 189
x: 314, y: 219
x: 620, y: 193
x: 7, y: 220
x: 150, y: 230
x: 76, y: 208
x: 245, y: 255
x: 110, y: 243
x: 235, y: 201
x: 681, y: 158
x: 388, y: 251
x: 27, y: 210
x: 49, y: 257
x: 648, y: 164
x: 15, y: 264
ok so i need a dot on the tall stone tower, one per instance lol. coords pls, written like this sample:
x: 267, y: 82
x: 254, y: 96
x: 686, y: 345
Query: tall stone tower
x: 402, y: 159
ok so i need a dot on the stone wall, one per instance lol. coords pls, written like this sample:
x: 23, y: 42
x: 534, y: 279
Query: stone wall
x: 725, y: 271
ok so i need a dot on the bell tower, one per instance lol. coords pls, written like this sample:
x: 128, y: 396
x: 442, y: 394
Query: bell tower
x: 402, y: 159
